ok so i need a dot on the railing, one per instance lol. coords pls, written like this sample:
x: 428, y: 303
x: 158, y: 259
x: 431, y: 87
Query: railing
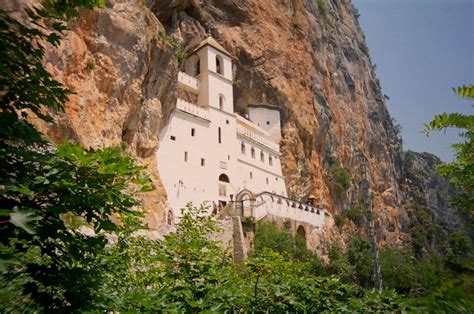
x: 280, y: 206
x: 259, y: 138
x: 193, y: 109
x: 188, y: 81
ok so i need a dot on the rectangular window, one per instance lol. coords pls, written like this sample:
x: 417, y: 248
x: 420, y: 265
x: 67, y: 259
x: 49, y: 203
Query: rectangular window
x: 219, y: 135
x: 222, y: 190
x: 173, y: 138
x: 203, y: 162
x: 251, y: 175
x: 193, y: 132
x: 185, y: 156
x: 267, y: 180
x: 268, y: 122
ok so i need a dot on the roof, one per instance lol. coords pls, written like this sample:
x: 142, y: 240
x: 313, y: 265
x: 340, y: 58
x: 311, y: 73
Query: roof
x: 209, y: 41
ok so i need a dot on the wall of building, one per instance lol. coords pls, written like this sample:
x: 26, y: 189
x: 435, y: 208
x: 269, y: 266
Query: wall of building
x: 192, y: 155
x: 267, y: 119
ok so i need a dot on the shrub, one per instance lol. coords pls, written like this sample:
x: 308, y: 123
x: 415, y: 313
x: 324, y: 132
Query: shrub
x: 340, y: 180
x: 173, y: 43
x: 90, y: 65
x: 270, y: 236
x: 323, y: 9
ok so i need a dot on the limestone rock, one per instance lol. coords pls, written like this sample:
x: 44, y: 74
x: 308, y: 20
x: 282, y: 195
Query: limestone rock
x: 314, y: 65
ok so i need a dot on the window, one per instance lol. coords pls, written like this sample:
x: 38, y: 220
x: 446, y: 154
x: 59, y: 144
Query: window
x: 242, y: 148
x: 252, y: 152
x: 222, y: 190
x: 173, y: 138
x: 221, y: 102
x: 224, y: 178
x: 219, y: 65
x: 186, y: 156
x: 268, y: 122
x: 228, y: 157
x: 203, y: 162
x: 267, y: 180
x: 251, y: 175
x: 262, y: 157
x: 219, y: 138
x: 270, y: 160
x: 227, y: 122
x: 197, y: 68
x: 193, y: 132
x: 170, y: 217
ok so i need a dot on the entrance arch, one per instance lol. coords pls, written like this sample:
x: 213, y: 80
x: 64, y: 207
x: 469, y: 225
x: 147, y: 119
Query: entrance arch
x: 301, y: 232
x: 245, y: 201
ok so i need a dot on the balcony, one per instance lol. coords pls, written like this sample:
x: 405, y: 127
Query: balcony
x: 188, y: 82
x: 192, y: 109
x: 259, y: 138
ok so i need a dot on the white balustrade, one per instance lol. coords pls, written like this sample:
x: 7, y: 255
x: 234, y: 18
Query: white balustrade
x: 259, y: 138
x: 188, y: 81
x: 193, y: 109
x: 271, y: 204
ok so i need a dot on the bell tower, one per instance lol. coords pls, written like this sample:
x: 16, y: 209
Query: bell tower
x: 212, y: 65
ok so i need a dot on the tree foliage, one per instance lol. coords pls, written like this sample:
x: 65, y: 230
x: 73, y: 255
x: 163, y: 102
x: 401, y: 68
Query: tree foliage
x: 51, y: 265
x: 461, y: 170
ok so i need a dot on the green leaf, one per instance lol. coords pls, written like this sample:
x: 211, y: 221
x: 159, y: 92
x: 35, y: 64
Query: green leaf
x: 22, y: 218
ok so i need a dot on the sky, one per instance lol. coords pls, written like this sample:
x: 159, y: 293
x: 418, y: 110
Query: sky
x: 422, y: 48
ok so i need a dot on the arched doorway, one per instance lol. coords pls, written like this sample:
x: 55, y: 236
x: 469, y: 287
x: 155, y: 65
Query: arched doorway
x: 224, y: 183
x: 300, y: 232
x: 245, y: 200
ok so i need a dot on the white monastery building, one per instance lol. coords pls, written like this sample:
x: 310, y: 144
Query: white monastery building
x: 208, y: 153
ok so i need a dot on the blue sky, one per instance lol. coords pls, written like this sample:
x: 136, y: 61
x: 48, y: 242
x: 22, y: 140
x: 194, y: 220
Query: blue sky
x: 421, y: 48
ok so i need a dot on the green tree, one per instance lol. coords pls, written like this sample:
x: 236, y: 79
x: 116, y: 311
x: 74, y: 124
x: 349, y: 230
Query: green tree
x: 461, y: 170
x: 51, y: 264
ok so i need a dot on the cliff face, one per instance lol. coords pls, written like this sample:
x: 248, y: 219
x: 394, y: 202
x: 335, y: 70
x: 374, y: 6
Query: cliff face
x: 308, y: 57
x: 426, y: 197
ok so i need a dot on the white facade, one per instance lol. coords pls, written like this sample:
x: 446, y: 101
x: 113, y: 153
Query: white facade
x: 209, y: 153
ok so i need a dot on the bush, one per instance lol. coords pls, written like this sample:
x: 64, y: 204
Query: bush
x: 354, y: 214
x: 270, y: 236
x: 340, y: 180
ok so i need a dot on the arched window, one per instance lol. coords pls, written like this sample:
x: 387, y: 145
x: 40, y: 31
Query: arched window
x: 197, y: 68
x: 219, y: 65
x: 170, y: 218
x: 221, y: 102
x: 224, y: 178
x: 262, y: 157
x: 242, y: 148
x: 223, y: 181
x: 252, y: 152
x: 219, y: 137
x: 270, y: 160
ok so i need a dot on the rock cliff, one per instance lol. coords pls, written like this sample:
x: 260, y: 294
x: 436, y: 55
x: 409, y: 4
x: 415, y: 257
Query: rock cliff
x: 308, y: 57
x: 426, y: 194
